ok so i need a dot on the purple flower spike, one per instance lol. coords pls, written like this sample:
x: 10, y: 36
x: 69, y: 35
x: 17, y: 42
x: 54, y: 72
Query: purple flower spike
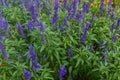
x: 85, y: 7
x: 79, y: 16
x: 44, y: 5
x: 19, y: 26
x: 74, y: 4
x: 38, y: 4
x: 0, y: 12
x: 112, y: 27
x: 49, y: 12
x: 102, y: 5
x: 30, y: 25
x: 6, y: 26
x: 106, y: 44
x: 114, y: 38
x: 1, y: 21
x: 118, y: 23
x: 62, y: 71
x: 26, y: 74
x: 65, y: 21
x: 55, y: 17
x: 32, y: 11
x: 35, y: 65
x: 1, y: 37
x: 41, y: 26
x: 92, y: 19
x: 27, y: 4
x: 109, y: 10
x: 61, y: 27
x: 65, y: 4
x: 4, y: 54
x: 105, y: 50
x: 56, y: 6
x: 105, y: 55
x: 3, y: 2
x: 112, y: 16
x: 22, y: 4
x: 83, y: 37
x: 101, y: 8
x: 32, y: 53
x: 33, y: 56
x: 69, y: 52
x: 72, y: 9
x: 90, y: 48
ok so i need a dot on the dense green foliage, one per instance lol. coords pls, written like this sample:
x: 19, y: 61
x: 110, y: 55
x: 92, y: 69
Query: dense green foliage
x: 52, y: 45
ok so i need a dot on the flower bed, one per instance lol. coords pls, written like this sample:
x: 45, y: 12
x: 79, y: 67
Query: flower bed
x: 59, y: 40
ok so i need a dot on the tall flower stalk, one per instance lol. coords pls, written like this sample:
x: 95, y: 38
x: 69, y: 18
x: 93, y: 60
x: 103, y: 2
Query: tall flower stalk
x: 42, y: 27
x: 32, y: 11
x: 92, y: 19
x: 101, y: 8
x: 105, y: 50
x: 21, y: 29
x: 118, y: 24
x: 38, y: 4
x: 90, y: 47
x: 4, y: 54
x: 27, y: 74
x: 5, y: 22
x: 30, y: 25
x: 72, y: 9
x: 3, y: 2
x: 112, y: 27
x: 62, y: 71
x: 22, y: 4
x: 69, y: 52
x: 114, y: 37
x: 33, y: 56
x: 65, y: 4
x: 85, y: 7
x: 55, y: 16
x: 85, y: 30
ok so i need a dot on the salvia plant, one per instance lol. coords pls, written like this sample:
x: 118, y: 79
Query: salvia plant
x: 59, y: 40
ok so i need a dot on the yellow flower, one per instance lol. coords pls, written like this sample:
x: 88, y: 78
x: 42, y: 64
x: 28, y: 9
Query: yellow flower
x: 93, y: 4
x: 110, y: 12
x: 112, y: 3
x: 107, y: 1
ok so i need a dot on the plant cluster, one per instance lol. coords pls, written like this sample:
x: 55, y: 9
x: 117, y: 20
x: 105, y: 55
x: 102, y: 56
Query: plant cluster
x: 54, y: 40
